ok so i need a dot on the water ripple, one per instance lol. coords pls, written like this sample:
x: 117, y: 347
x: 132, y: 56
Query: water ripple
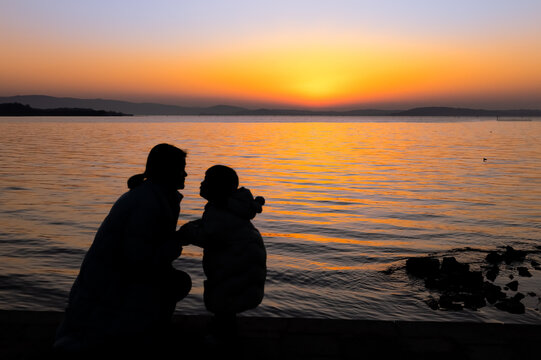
x: 345, y: 202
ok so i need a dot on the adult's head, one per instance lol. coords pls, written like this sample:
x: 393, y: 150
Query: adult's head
x: 166, y: 164
x: 219, y: 183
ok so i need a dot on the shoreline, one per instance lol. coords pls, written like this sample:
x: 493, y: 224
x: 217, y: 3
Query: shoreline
x: 29, y: 335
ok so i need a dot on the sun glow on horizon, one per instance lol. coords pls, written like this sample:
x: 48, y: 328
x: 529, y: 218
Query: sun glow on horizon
x: 292, y: 59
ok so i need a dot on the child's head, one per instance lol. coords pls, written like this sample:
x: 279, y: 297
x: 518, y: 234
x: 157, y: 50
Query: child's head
x: 219, y: 183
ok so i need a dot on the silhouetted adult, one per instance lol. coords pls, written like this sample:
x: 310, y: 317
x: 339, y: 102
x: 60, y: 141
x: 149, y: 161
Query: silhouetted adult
x: 127, y: 287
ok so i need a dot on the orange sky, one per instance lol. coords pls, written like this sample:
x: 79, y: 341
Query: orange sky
x: 408, y: 59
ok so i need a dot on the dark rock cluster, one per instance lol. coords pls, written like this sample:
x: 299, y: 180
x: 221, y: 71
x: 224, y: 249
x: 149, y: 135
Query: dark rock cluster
x: 461, y: 287
x: 510, y: 255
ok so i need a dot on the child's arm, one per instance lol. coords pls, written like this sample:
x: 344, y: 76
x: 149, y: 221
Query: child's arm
x: 172, y: 247
x: 192, y: 233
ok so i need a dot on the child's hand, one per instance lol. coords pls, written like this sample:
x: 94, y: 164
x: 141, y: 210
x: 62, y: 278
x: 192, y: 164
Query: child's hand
x: 188, y: 232
x: 182, y: 239
x: 183, y: 236
x: 192, y: 233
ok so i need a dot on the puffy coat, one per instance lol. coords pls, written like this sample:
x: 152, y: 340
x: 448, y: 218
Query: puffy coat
x: 121, y: 287
x: 234, y: 256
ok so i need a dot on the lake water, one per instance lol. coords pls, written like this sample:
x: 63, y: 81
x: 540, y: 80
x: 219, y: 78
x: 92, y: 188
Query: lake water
x: 347, y: 199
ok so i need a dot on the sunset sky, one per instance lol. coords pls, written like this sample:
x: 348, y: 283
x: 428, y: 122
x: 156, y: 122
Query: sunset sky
x: 320, y: 54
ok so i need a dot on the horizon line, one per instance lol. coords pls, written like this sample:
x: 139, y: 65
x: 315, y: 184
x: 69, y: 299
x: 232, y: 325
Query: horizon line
x: 281, y: 107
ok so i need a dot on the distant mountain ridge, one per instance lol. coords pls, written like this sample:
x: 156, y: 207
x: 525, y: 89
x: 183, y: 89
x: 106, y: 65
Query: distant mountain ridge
x: 18, y: 109
x: 450, y: 111
x: 45, y: 102
x: 48, y: 102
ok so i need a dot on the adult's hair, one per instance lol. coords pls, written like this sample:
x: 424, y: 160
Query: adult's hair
x: 160, y: 162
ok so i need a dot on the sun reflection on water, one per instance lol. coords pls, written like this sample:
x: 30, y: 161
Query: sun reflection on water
x: 345, y: 200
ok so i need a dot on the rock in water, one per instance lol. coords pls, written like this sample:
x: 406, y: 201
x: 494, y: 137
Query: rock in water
x: 449, y: 303
x: 523, y: 271
x: 472, y: 281
x: 432, y: 303
x: 494, y: 258
x: 510, y: 255
x: 423, y: 266
x: 461, y: 288
x: 450, y: 265
x: 513, y: 285
x: 492, y: 292
x: 474, y: 301
x: 513, y: 306
x: 492, y: 273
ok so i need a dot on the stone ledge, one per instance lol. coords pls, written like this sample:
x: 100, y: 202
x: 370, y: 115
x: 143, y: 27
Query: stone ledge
x: 29, y: 335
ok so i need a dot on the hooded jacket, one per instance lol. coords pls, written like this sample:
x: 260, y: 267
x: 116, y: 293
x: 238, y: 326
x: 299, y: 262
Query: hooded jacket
x: 234, y: 256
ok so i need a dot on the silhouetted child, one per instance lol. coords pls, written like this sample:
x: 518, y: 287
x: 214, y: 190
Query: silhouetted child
x: 234, y: 256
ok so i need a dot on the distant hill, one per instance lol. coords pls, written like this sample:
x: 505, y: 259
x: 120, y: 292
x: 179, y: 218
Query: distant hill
x: 219, y: 110
x: 291, y: 112
x: 449, y: 111
x: 17, y: 109
x: 126, y: 107
x: 47, y: 102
